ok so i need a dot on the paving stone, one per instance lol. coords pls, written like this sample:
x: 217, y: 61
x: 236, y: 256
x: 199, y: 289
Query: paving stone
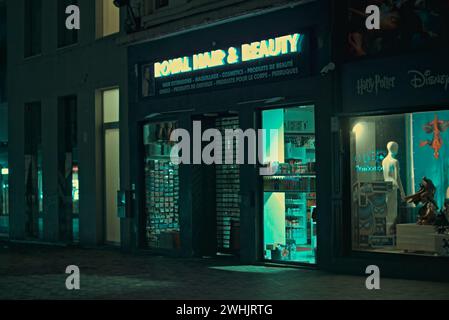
x: 39, y: 273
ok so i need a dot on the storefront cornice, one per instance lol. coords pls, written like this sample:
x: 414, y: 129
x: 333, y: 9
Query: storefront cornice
x: 201, y: 21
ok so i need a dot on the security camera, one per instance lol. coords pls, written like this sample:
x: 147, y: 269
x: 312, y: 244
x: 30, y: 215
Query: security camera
x: 329, y: 67
x: 121, y: 3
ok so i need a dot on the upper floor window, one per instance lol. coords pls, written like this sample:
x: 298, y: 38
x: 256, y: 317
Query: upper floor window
x: 33, y: 27
x: 160, y: 4
x: 107, y: 18
x: 150, y: 6
x: 66, y: 37
x: 2, y: 52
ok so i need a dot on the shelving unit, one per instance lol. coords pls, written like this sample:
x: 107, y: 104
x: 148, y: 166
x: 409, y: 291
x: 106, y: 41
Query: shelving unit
x: 290, y: 194
x: 227, y: 195
x: 162, y: 190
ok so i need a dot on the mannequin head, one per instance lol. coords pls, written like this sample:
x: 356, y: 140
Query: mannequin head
x: 392, y: 148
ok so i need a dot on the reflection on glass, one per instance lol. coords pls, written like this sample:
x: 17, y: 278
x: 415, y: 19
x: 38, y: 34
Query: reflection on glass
x: 161, y: 187
x: 75, y: 200
x: 290, y: 194
x: 4, y: 201
x: 400, y: 183
x: 33, y: 172
x: 68, y: 169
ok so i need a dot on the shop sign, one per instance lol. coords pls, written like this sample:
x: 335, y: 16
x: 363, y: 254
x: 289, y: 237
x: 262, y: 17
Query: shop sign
x: 216, y: 58
x: 264, y: 60
x: 404, y: 83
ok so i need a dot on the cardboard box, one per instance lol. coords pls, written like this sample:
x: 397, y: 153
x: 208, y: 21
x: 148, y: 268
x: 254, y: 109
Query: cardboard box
x: 442, y: 244
x: 416, y: 238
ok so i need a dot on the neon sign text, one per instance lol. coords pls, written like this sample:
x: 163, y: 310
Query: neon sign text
x: 263, y: 49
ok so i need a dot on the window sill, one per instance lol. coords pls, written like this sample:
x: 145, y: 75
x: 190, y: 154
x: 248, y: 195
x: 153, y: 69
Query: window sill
x: 68, y: 47
x: 111, y: 36
x: 33, y: 57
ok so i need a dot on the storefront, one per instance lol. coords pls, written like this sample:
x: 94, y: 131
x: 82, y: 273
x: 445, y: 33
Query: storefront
x: 393, y: 151
x: 255, y: 72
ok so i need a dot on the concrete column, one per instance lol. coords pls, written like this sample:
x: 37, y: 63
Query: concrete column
x: 16, y: 171
x: 15, y: 31
x: 90, y: 169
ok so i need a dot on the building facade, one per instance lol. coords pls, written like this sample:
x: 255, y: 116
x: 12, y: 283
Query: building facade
x: 67, y: 95
x: 4, y: 221
x: 361, y: 117
x: 355, y: 146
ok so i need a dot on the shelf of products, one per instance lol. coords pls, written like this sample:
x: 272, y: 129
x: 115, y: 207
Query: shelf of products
x: 227, y: 194
x: 290, y: 194
x: 162, y: 188
x: 289, y: 184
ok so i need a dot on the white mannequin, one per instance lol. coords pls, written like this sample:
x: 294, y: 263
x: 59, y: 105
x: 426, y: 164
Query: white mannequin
x: 391, y: 173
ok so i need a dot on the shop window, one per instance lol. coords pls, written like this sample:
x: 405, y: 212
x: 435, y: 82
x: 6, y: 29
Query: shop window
x: 289, y: 196
x: 406, y: 26
x: 33, y: 27
x: 400, y: 183
x: 152, y: 5
x: 68, y: 169
x: 4, y: 190
x: 111, y: 102
x: 160, y: 4
x: 66, y: 37
x: 108, y: 18
x: 33, y: 171
x: 161, y: 187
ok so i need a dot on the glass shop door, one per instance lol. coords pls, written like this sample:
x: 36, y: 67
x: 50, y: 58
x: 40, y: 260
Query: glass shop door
x: 289, y: 195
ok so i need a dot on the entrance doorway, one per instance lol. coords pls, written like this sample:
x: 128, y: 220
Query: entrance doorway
x: 289, y: 196
x: 216, y: 193
x: 111, y: 136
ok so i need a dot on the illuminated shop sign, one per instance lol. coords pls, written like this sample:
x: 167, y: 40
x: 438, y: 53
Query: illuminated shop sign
x: 259, y: 50
x: 5, y: 171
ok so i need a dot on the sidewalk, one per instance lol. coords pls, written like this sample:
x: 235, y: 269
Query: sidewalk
x: 39, y: 273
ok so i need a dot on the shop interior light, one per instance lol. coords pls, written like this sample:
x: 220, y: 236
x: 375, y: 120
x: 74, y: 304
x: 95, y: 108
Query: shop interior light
x: 358, y: 129
x: 5, y: 171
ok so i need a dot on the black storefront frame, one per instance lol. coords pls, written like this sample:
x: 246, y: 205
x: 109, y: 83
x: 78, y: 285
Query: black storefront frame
x: 300, y: 90
x: 252, y: 110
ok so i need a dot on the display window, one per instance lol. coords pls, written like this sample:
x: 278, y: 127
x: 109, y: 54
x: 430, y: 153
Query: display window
x: 289, y: 196
x: 400, y: 183
x: 161, y: 187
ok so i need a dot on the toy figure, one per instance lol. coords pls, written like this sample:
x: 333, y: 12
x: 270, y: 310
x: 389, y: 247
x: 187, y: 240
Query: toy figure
x: 436, y: 127
x: 425, y: 195
x: 442, y: 220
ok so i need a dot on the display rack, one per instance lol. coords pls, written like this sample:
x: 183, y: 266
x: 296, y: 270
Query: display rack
x: 162, y: 189
x: 227, y: 194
